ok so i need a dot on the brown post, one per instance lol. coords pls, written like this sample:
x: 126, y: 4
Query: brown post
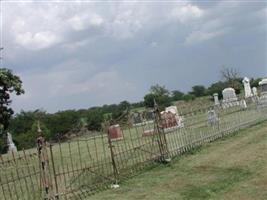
x: 54, y: 171
x: 115, y: 170
x: 162, y: 141
x: 43, y: 162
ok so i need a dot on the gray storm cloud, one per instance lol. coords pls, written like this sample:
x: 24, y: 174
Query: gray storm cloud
x: 78, y: 54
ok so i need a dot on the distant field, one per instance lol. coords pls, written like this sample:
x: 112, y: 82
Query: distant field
x: 231, y: 168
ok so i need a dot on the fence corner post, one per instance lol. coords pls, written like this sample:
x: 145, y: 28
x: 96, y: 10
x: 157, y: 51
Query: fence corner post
x: 114, y: 166
x: 162, y: 141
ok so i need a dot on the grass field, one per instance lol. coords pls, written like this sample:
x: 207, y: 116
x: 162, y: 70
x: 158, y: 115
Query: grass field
x: 230, y: 168
x: 85, y: 164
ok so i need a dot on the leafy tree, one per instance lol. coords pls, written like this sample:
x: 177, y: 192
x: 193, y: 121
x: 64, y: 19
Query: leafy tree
x: 158, y: 90
x: 255, y: 82
x: 177, y: 95
x: 9, y: 83
x: 198, y: 90
x: 160, y: 94
x: 95, y: 118
x: 217, y: 88
x: 149, y: 100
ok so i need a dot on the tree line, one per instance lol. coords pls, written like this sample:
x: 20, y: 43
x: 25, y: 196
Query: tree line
x: 59, y: 125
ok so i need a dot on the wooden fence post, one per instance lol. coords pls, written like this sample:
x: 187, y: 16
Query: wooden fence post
x: 162, y: 141
x: 114, y: 166
x: 43, y: 163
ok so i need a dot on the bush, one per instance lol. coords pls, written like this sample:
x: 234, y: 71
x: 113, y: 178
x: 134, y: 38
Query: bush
x: 189, y: 97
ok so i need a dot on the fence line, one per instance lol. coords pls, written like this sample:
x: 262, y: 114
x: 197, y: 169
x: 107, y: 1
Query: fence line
x: 81, y: 167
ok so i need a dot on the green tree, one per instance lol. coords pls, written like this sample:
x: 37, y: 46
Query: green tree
x: 198, y: 90
x: 158, y: 90
x: 177, y: 95
x: 217, y: 88
x: 9, y: 84
x: 255, y: 82
x: 160, y: 94
x: 95, y: 118
x: 149, y: 100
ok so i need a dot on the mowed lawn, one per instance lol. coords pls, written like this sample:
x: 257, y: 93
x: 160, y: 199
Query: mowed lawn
x: 231, y: 168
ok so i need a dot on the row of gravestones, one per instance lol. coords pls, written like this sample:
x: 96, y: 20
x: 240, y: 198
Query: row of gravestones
x: 230, y: 99
x: 171, y: 118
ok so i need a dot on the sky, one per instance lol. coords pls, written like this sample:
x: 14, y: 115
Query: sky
x: 79, y: 54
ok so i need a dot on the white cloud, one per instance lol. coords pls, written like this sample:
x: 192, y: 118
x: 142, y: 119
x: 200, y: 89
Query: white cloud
x: 187, y: 12
x: 201, y: 36
x: 83, y: 21
x: 36, y: 41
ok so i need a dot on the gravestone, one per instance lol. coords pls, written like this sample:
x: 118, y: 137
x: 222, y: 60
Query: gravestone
x: 263, y: 93
x: 114, y: 132
x: 229, y: 98
x: 212, y: 117
x: 263, y: 86
x: 11, y: 146
x: 137, y: 118
x: 243, y: 104
x: 150, y: 115
x: 247, y: 88
x: 254, y: 91
x: 172, y: 109
x: 168, y: 119
x: 229, y: 95
x: 216, y: 99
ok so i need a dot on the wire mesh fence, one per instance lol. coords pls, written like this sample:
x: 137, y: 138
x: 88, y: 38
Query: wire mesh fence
x: 85, y: 165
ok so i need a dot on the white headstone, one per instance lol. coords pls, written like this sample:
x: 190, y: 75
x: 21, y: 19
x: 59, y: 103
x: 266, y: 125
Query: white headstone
x: 216, y: 99
x: 247, y: 87
x: 11, y: 146
x: 172, y: 109
x: 229, y: 95
x: 263, y: 86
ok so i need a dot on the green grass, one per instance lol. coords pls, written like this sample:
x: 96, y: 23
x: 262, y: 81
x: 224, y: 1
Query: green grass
x: 231, y: 168
x: 72, y: 158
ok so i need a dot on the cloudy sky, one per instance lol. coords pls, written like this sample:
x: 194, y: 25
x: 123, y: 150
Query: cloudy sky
x: 77, y: 54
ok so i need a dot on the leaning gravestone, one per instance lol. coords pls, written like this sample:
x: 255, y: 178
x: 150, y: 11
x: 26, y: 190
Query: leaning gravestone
x: 11, y: 145
x: 247, y: 88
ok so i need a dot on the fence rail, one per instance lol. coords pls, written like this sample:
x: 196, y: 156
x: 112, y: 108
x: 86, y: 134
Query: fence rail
x: 83, y: 166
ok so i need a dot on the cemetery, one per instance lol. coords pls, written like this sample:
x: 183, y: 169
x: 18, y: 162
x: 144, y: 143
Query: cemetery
x: 80, y: 167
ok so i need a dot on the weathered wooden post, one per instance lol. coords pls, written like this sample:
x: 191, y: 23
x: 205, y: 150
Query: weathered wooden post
x: 115, y: 170
x: 162, y: 142
x: 45, y: 181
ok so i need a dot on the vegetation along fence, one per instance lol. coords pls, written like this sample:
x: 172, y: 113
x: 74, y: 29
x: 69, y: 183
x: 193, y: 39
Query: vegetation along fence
x: 85, y: 165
